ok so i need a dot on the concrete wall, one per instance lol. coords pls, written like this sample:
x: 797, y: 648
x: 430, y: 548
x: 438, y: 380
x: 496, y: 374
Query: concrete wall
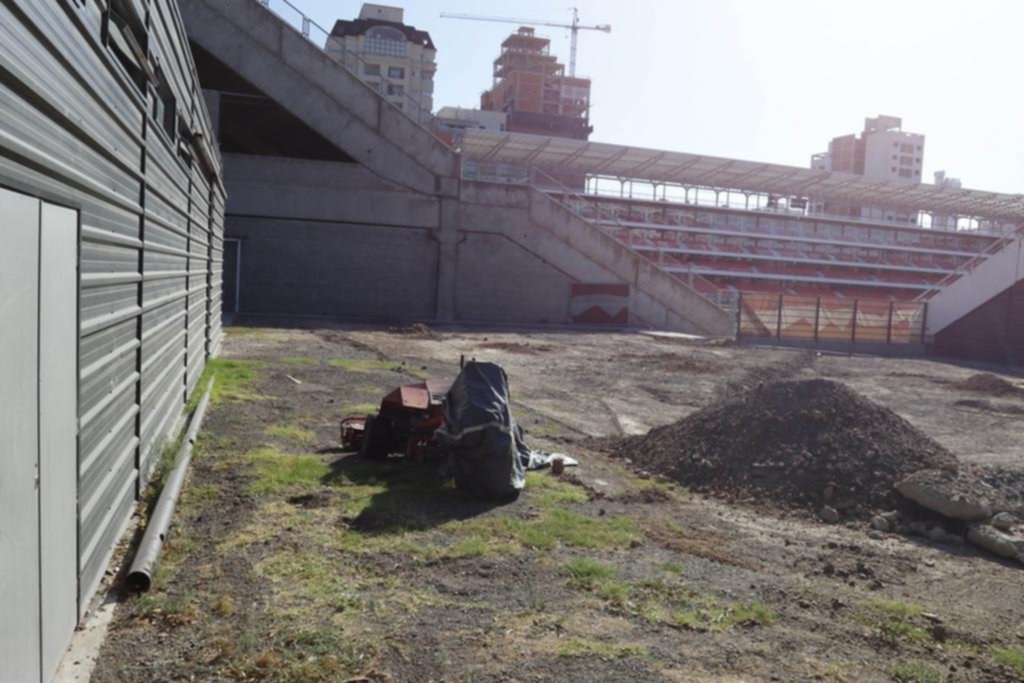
x: 994, y: 275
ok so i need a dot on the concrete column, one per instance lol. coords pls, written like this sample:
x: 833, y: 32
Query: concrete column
x: 447, y: 236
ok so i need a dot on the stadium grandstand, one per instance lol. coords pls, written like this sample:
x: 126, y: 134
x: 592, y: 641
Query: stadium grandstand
x: 728, y: 226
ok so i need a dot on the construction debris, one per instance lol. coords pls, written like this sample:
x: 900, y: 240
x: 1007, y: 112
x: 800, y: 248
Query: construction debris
x: 954, y: 496
x: 795, y: 443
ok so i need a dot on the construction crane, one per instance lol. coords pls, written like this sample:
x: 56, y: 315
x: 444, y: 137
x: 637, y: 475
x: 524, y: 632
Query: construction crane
x: 575, y: 27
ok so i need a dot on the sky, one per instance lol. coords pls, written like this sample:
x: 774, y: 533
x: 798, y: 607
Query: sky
x: 766, y: 80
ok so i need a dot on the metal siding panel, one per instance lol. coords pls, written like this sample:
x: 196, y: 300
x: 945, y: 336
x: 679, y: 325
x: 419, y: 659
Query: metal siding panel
x: 72, y: 132
x: 19, y: 414
x: 58, y: 469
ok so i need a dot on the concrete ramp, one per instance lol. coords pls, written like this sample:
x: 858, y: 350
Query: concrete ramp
x: 264, y: 50
x: 995, y: 274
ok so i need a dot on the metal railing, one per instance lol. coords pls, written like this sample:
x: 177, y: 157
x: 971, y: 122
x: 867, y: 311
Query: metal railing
x: 970, y: 264
x: 722, y: 298
x: 820, y: 319
x: 314, y: 32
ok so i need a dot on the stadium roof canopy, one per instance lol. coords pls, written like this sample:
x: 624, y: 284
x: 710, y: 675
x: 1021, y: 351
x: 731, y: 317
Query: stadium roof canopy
x: 695, y: 170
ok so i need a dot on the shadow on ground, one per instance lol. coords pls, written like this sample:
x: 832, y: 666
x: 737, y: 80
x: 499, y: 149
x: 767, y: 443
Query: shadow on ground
x: 414, y: 497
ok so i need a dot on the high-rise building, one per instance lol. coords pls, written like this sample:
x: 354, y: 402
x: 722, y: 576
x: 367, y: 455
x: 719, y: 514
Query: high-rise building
x: 882, y: 151
x: 390, y: 56
x: 530, y: 86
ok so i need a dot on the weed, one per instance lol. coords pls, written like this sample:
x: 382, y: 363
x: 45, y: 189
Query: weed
x: 224, y: 606
x: 580, y: 647
x: 1012, y: 657
x: 276, y: 471
x: 913, y: 672
x: 299, y: 435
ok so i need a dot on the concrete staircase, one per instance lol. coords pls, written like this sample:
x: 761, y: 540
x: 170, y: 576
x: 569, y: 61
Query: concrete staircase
x: 289, y: 69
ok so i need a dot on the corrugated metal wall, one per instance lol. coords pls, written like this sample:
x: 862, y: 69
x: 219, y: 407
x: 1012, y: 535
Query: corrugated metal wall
x: 81, y: 127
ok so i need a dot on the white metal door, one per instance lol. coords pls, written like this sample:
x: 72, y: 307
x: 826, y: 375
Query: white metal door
x: 58, y: 410
x: 19, y: 438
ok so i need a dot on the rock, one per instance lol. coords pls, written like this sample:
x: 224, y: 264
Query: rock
x: 996, y: 541
x: 828, y: 514
x: 1004, y: 521
x: 952, y: 496
x: 918, y: 528
x: 940, y: 535
x: 876, y: 535
x: 880, y: 523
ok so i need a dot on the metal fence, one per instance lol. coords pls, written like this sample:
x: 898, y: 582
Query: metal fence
x: 830, y: 319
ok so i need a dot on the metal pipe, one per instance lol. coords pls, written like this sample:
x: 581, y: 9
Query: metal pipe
x: 140, y: 576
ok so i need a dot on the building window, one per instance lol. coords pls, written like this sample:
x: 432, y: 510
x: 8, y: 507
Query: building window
x: 164, y: 108
x: 396, y: 72
x: 374, y: 85
x: 371, y: 69
x: 125, y: 33
x: 385, y: 40
x: 395, y: 89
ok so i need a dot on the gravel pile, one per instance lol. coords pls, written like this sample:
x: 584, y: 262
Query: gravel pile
x: 986, y: 383
x: 795, y: 443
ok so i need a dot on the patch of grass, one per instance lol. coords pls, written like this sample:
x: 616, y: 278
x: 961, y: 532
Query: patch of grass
x: 894, y: 619
x: 557, y: 526
x: 314, y: 577
x: 544, y: 429
x: 1012, y: 657
x: 237, y: 331
x: 581, y: 647
x: 174, y: 609
x: 585, y: 572
x: 299, y: 360
x: 914, y: 672
x: 714, y: 617
x: 895, y: 608
x: 372, y: 365
x: 552, y: 490
x: 671, y: 567
x: 303, y: 437
x: 276, y: 471
x: 360, y: 409
x: 233, y: 378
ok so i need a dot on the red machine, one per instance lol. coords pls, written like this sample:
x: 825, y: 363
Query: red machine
x: 404, y: 423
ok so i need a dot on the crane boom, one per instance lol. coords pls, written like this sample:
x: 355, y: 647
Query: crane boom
x: 575, y: 27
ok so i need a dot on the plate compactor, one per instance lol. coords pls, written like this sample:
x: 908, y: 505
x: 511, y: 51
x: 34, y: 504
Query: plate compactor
x: 405, y: 423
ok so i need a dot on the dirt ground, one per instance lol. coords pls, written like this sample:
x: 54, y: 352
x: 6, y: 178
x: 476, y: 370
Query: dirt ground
x: 291, y: 560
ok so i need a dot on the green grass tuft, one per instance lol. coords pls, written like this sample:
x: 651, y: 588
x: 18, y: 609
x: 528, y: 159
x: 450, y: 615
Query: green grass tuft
x: 585, y: 572
x: 1012, y: 657
x: 233, y: 378
x: 913, y: 672
x: 303, y: 437
x: 360, y: 409
x: 276, y: 471
x: 671, y: 567
x: 553, y: 491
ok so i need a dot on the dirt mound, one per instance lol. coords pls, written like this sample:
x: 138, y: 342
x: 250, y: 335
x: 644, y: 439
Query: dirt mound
x: 801, y: 443
x: 986, y: 383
